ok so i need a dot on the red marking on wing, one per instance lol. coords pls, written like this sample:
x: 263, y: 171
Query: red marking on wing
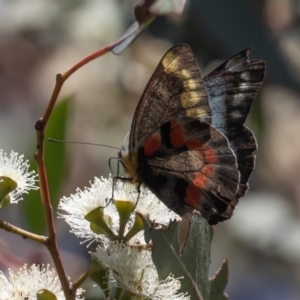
x: 151, y: 144
x: 207, y: 155
x: 200, y: 181
x: 177, y: 134
x: 193, y: 196
x: 195, y: 144
x: 210, y: 156
x: 201, y: 178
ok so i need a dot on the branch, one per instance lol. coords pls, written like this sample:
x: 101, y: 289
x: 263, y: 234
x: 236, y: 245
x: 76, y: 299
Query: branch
x: 40, y: 127
x: 23, y: 233
x: 81, y: 279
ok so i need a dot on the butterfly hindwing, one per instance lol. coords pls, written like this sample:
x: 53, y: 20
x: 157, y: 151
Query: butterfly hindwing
x: 190, y: 159
x: 231, y: 89
x: 243, y: 146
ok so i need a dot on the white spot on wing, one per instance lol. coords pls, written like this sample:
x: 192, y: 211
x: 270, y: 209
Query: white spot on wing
x: 236, y: 114
x: 246, y: 76
x: 237, y: 99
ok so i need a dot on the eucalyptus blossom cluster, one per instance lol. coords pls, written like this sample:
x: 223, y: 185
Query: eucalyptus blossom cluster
x: 29, y: 282
x: 109, y: 216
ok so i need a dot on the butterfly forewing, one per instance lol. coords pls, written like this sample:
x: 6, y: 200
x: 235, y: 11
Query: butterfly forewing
x: 175, y: 89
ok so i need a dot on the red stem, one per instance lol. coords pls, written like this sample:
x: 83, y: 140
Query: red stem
x: 40, y: 127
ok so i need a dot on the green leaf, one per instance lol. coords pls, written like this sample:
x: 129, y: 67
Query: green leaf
x: 55, y: 161
x: 196, y: 255
x: 219, y: 282
x: 122, y: 294
x: 193, y: 264
x: 100, y: 276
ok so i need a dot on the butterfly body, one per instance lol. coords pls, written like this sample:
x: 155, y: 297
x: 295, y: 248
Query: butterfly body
x: 187, y: 142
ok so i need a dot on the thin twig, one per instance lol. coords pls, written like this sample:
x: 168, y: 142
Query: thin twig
x: 23, y: 233
x: 81, y: 279
x: 40, y: 127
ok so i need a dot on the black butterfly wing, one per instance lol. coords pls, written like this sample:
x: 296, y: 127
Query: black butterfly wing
x: 193, y: 167
x: 231, y: 89
x: 188, y: 142
x: 175, y: 89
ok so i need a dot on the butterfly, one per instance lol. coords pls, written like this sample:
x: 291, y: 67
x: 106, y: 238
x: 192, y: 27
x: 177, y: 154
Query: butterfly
x: 188, y: 143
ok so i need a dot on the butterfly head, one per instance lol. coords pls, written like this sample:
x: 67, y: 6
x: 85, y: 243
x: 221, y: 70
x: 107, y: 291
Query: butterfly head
x: 130, y: 163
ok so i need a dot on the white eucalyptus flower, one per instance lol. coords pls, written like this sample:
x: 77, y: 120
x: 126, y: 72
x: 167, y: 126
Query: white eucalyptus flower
x: 28, y: 282
x: 132, y: 269
x: 99, y: 194
x: 15, y: 168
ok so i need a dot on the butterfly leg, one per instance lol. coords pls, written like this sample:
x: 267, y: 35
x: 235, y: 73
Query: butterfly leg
x: 139, y: 193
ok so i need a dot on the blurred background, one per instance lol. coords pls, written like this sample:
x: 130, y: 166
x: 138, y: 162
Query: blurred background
x: 39, y: 38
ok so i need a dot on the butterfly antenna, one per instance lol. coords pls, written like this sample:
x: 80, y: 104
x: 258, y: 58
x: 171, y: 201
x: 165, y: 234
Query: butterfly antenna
x: 81, y: 143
